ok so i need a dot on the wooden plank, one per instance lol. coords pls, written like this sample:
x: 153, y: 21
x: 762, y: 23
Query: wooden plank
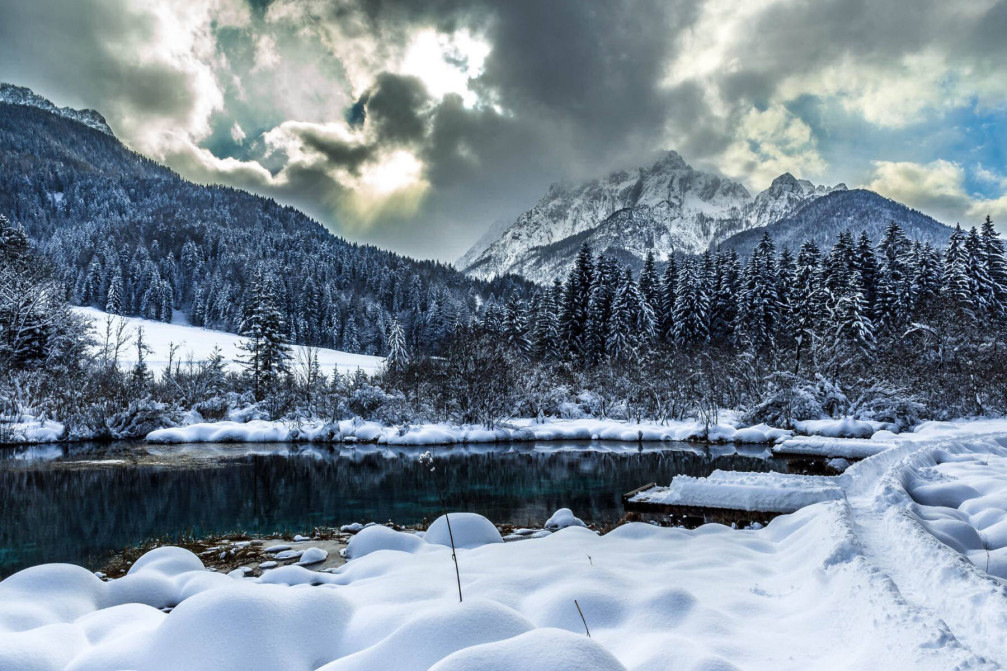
x: 693, y: 516
x: 628, y: 495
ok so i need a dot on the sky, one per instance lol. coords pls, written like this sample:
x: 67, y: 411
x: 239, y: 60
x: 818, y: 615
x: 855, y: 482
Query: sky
x: 417, y: 125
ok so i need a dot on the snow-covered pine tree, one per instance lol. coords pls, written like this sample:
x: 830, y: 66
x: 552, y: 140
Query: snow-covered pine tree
x: 724, y: 302
x: 980, y: 284
x: 669, y: 287
x: 925, y: 278
x: 956, y: 288
x: 113, y: 301
x: 853, y: 324
x: 266, y: 350
x: 515, y: 326
x: 807, y: 299
x: 141, y: 375
x: 650, y: 283
x: 996, y: 268
x: 786, y: 277
x: 837, y: 266
x: 758, y: 311
x: 605, y: 285
x: 398, y: 354
x: 576, y: 297
x: 546, y: 342
x: 624, y: 338
x: 866, y: 264
x: 692, y: 305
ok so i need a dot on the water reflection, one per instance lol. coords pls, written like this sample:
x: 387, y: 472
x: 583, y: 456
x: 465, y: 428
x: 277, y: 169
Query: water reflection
x: 64, y: 504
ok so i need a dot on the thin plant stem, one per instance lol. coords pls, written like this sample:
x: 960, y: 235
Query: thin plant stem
x: 582, y: 618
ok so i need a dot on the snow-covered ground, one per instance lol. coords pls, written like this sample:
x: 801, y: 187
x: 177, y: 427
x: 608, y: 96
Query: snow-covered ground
x: 890, y: 576
x: 199, y: 343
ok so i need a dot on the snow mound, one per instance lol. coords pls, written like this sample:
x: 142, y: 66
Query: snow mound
x: 257, y: 627
x: 539, y: 650
x: 468, y: 529
x: 563, y: 518
x: 375, y: 538
x: 313, y: 556
x: 436, y: 634
x: 846, y: 427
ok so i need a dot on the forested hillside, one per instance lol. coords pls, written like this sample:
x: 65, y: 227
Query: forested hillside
x: 127, y: 235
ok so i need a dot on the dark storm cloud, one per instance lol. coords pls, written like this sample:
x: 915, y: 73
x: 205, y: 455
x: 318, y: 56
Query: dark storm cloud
x: 396, y: 108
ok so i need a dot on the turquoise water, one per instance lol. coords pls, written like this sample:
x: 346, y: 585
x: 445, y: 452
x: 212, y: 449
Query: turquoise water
x: 64, y: 504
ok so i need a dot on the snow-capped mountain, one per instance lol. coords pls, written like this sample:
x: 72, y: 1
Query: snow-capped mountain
x: 19, y: 95
x: 668, y: 207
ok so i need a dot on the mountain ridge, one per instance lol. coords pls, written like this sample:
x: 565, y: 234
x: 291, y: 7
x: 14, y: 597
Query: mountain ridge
x: 21, y: 95
x: 129, y: 235
x: 668, y: 207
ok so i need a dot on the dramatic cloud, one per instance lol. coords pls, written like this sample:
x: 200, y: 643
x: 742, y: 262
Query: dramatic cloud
x: 938, y: 188
x: 416, y: 125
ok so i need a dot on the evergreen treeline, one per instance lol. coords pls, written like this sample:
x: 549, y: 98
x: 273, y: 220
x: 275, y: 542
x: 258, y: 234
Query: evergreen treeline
x: 894, y: 318
x: 131, y: 237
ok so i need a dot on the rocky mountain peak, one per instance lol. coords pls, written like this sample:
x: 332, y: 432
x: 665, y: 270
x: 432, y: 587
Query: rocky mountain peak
x: 20, y: 95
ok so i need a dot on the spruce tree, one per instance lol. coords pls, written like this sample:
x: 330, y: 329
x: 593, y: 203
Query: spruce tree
x: 650, y: 283
x: 692, y: 305
x: 996, y: 269
x: 980, y: 284
x: 956, y: 288
x: 576, y: 297
x: 724, y: 301
x: 669, y: 288
x: 398, y: 354
x: 266, y: 350
x: 853, y: 325
x: 807, y: 299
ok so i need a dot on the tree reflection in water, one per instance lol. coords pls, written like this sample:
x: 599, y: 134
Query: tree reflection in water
x: 51, y: 512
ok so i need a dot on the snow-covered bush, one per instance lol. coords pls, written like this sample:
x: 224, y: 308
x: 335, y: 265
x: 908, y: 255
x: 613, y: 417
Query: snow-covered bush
x: 789, y: 398
x: 373, y: 403
x: 884, y: 404
x: 834, y: 401
x: 220, y: 406
x: 140, y: 418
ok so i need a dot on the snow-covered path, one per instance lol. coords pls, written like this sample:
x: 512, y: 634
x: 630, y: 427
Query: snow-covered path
x: 857, y: 583
x: 935, y: 579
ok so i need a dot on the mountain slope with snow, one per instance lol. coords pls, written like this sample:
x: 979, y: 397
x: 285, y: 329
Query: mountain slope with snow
x: 822, y: 220
x: 197, y: 344
x: 669, y: 207
x: 19, y: 95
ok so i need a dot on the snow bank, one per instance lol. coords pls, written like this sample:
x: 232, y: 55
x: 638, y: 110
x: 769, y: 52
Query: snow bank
x: 843, y: 448
x: 524, y: 430
x: 846, y: 427
x: 763, y: 492
x: 255, y: 431
x: 199, y: 343
x: 30, y: 430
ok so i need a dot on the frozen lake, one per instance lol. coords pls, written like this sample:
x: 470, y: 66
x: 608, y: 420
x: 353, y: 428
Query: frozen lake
x: 75, y: 504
